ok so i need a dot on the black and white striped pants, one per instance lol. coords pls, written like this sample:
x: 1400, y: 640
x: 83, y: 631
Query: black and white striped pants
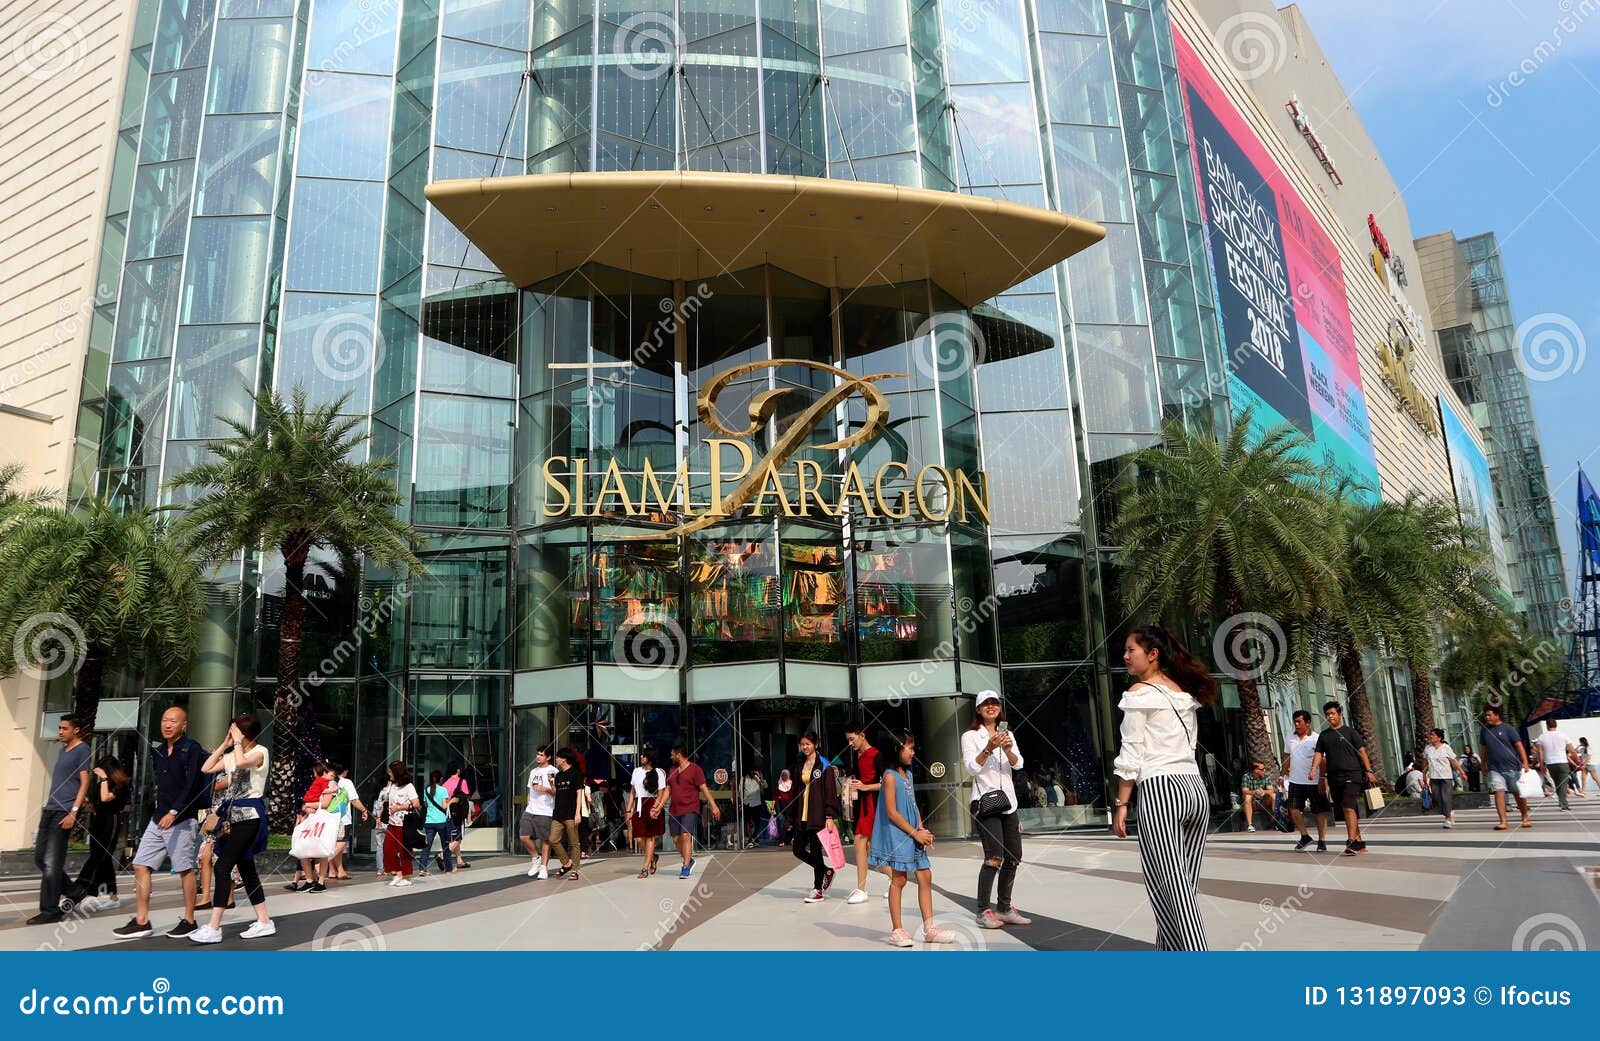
x: 1174, y: 811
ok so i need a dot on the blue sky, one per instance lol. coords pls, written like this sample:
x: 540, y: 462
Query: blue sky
x: 1474, y: 152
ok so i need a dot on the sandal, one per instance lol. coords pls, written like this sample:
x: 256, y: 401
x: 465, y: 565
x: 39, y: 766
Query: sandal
x: 643, y: 873
x: 1527, y: 824
x: 1499, y: 827
x: 573, y: 876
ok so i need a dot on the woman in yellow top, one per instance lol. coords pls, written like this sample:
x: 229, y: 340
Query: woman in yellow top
x: 813, y: 807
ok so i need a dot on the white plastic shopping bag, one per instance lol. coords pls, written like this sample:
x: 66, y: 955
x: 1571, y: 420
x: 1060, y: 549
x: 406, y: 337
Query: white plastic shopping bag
x: 314, y: 837
x: 1529, y: 786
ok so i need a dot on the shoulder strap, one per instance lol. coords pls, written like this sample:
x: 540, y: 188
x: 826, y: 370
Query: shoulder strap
x: 1167, y: 698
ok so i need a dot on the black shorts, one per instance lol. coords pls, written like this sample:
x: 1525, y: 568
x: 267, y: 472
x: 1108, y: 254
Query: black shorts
x: 1347, y: 794
x: 1303, y: 796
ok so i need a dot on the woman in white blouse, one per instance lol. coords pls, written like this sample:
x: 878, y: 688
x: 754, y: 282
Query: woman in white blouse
x: 1159, y: 726
x: 990, y: 753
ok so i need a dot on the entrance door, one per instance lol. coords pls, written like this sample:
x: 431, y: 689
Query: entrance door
x: 759, y: 738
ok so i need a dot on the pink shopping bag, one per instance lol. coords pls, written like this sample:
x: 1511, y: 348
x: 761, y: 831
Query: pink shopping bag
x: 832, y: 846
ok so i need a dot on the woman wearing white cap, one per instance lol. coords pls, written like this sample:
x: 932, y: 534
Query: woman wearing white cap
x: 1160, y: 718
x: 990, y: 753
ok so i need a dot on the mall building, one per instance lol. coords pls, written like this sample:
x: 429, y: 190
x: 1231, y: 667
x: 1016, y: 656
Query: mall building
x: 749, y: 366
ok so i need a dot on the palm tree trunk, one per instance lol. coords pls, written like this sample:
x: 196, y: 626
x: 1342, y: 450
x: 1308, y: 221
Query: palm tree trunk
x: 282, y: 795
x: 1421, y: 704
x: 1355, y: 685
x: 1257, y: 739
x: 86, y: 687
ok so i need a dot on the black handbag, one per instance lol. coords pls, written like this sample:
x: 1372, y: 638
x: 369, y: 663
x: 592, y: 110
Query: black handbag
x: 992, y: 804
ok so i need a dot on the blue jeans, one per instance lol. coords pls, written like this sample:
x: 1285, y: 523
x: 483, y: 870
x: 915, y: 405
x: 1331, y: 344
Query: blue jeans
x: 424, y: 857
x: 50, y: 857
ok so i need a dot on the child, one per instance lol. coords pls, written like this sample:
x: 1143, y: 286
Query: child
x: 900, y: 842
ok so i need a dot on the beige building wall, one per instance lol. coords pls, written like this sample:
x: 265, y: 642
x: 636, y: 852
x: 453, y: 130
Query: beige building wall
x: 61, y: 69
x: 1264, y: 56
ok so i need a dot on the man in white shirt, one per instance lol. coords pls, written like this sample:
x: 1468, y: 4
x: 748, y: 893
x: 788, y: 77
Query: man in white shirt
x: 1298, y: 754
x: 1558, y: 755
x: 534, y: 828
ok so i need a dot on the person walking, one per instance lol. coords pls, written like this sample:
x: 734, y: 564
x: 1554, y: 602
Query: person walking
x: 782, y: 796
x: 814, y: 806
x: 95, y: 888
x: 534, y: 828
x: 1560, y: 757
x: 1472, y: 764
x: 172, y: 835
x: 1305, y: 795
x: 686, y: 787
x: 398, y: 800
x: 324, y: 786
x: 1589, y: 769
x: 1160, y: 721
x: 864, y: 789
x: 643, y: 809
x: 991, y: 756
x: 63, y: 805
x: 350, y: 801
x: 1443, y: 768
x: 899, y: 842
x: 565, y: 839
x: 1342, y: 760
x: 753, y: 796
x: 241, y: 827
x: 460, y: 790
x: 1504, y: 759
x: 435, y: 823
x: 206, y: 856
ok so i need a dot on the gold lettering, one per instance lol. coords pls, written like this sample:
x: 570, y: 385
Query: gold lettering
x: 579, y: 482
x: 980, y: 496
x: 557, y: 487
x: 677, y: 491
x: 922, y: 502
x: 771, y: 484
x: 852, y: 476
x: 718, y: 507
x: 877, y: 489
x: 612, y: 484
x: 813, y: 489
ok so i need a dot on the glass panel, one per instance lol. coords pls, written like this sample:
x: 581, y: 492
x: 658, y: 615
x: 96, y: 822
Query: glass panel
x: 853, y: 25
x: 479, y: 102
x: 1072, y: 16
x: 814, y: 599
x: 349, y: 36
x: 250, y: 66
x: 172, y: 117
x: 334, y: 245
x: 734, y: 594
x: 468, y: 341
x: 458, y: 611
x: 148, y: 309
x: 1041, y: 593
x: 722, y: 118
x: 136, y: 413
x: 1116, y: 371
x: 1033, y: 472
x: 1106, y: 287
x: 183, y: 34
x: 984, y: 44
x: 238, y: 165
x: 226, y: 274
x: 637, y: 119
x: 1078, y: 83
x: 554, y: 609
x: 1092, y: 172
x: 215, y: 373
x: 326, y: 344
x: 344, y: 126
x: 503, y: 23
x: 904, y: 599
x: 160, y: 214
x: 634, y: 614
x: 463, y: 462
x: 997, y: 135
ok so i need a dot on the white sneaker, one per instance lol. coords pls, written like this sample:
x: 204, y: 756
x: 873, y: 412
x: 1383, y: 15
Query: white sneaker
x: 393, y: 880
x: 402, y: 882
x: 259, y: 928
x: 107, y: 903
x: 1250, y: 827
x: 857, y: 896
x: 533, y: 867
x: 206, y: 934
x: 544, y: 872
x: 1449, y: 824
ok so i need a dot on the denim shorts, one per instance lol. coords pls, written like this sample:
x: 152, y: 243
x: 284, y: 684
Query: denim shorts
x: 1504, y: 780
x: 683, y: 824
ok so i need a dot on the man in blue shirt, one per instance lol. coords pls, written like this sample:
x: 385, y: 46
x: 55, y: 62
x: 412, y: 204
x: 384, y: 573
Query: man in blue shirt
x: 69, y: 790
x: 1504, y: 759
x: 172, y: 834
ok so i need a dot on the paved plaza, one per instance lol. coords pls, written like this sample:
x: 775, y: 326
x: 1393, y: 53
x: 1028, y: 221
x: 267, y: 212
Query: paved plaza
x: 1419, y: 887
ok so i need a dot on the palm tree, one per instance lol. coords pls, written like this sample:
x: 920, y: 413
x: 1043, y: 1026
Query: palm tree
x: 12, y: 498
x: 1211, y: 531
x: 95, y: 589
x: 1490, y: 654
x: 291, y: 484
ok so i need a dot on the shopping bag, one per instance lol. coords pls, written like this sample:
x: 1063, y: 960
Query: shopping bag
x: 1427, y: 799
x: 1374, y: 796
x: 1529, y: 786
x: 832, y: 846
x: 314, y: 837
x: 773, y: 831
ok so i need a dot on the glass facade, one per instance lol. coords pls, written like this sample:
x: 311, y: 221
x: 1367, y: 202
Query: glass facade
x: 267, y: 228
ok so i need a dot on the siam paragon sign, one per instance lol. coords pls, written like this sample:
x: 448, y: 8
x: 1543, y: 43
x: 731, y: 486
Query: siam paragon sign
x: 744, y: 487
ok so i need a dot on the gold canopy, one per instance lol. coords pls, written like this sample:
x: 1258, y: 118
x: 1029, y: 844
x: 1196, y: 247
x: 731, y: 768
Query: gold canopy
x: 690, y: 226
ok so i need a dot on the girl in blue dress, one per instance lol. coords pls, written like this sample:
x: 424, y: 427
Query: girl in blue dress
x: 900, y: 842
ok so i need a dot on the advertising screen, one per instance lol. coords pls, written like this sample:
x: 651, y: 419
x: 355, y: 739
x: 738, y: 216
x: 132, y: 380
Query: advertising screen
x: 1469, y: 473
x: 1279, y: 285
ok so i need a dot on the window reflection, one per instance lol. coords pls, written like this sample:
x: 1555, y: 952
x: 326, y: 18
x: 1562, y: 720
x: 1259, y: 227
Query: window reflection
x: 903, y: 599
x: 1040, y: 590
x: 814, y: 599
x: 634, y: 612
x: 463, y: 462
x: 734, y: 595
